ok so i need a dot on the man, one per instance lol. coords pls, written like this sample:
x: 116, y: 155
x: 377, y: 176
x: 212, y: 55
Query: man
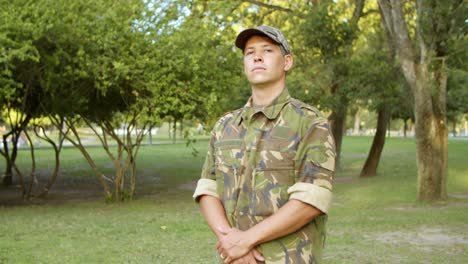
x: 265, y: 187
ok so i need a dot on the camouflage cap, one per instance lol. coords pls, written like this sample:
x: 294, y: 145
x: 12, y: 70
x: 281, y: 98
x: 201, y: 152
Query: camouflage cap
x: 273, y: 33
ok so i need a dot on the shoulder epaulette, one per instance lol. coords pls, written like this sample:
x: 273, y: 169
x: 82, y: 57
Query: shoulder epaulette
x: 299, y: 104
x: 227, y: 116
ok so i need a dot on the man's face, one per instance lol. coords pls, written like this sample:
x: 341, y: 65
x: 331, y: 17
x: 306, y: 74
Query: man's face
x: 264, y: 64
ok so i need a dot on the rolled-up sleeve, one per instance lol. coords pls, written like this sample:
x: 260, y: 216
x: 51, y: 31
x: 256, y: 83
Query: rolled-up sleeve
x: 206, y: 185
x: 311, y: 194
x: 315, y: 166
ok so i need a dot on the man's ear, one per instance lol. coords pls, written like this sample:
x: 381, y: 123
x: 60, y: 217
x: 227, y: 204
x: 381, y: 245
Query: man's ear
x: 288, y: 62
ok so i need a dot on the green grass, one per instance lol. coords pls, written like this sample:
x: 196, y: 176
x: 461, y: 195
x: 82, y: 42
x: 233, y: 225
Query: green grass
x: 374, y: 220
x: 377, y: 220
x: 165, y: 230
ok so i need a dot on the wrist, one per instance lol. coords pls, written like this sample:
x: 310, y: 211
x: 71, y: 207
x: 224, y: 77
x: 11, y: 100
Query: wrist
x: 219, y: 231
x: 252, y: 239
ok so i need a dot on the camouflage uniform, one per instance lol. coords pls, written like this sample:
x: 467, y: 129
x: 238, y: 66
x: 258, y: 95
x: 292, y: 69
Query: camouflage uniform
x: 258, y: 159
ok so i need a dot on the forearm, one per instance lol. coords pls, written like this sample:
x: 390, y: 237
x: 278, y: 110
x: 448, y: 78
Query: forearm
x: 288, y: 219
x: 213, y: 212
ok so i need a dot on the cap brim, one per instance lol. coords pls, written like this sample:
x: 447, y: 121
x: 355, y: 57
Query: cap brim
x: 245, y: 35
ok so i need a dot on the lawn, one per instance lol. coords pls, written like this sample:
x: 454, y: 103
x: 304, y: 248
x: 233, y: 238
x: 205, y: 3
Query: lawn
x: 373, y: 220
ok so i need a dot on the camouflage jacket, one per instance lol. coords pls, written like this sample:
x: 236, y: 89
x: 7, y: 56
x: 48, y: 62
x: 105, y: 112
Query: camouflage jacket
x: 258, y: 159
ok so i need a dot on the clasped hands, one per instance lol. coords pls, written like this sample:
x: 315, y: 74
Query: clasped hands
x: 234, y: 247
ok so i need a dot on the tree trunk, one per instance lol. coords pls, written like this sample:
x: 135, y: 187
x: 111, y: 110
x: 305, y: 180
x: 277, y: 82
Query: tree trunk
x: 33, y: 178
x: 150, y: 137
x: 169, y: 129
x: 372, y: 161
x: 181, y: 129
x: 57, y: 149
x: 8, y: 174
x: 405, y: 127
x: 337, y: 123
x: 78, y: 144
x: 10, y: 158
x: 454, y: 128
x: 133, y: 174
x: 357, y: 123
x: 174, y: 131
x: 429, y: 96
x: 431, y: 136
x: 15, y: 134
x: 53, y: 177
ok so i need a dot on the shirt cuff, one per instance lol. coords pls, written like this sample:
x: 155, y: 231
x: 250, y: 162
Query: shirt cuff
x: 205, y: 187
x: 314, y: 195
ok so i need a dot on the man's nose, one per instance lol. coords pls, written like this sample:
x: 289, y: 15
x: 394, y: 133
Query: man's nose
x: 257, y: 57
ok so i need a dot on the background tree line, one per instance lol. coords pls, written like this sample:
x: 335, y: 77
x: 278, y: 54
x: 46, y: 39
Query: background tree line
x: 112, y: 64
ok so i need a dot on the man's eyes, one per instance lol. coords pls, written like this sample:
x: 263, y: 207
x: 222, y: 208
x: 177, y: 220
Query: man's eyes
x: 251, y: 52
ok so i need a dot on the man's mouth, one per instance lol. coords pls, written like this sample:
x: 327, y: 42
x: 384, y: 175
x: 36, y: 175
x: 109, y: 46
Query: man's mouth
x: 258, y: 69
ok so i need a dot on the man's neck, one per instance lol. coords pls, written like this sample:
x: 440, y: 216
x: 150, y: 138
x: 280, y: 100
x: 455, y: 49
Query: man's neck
x: 262, y: 96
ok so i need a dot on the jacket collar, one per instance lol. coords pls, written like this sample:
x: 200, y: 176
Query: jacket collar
x: 271, y: 111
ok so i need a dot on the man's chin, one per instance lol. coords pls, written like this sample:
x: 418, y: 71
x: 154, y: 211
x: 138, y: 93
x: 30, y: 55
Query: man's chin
x: 258, y: 81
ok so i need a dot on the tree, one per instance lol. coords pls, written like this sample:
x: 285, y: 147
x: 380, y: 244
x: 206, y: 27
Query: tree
x: 114, y: 58
x: 423, y: 62
x: 457, y: 94
x: 18, y: 93
x: 198, y: 70
x: 88, y: 66
x: 374, y: 79
x: 328, y: 31
x: 40, y: 130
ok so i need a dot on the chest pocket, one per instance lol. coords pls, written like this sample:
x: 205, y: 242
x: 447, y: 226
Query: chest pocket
x: 228, y: 156
x: 273, y: 175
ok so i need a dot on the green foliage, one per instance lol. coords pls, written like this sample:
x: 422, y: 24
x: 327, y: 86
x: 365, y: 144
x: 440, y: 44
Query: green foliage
x: 442, y: 24
x: 15, y: 46
x: 198, y: 71
x: 374, y: 80
x: 138, y: 62
x: 176, y: 58
x: 82, y: 55
x: 457, y: 94
x: 328, y: 32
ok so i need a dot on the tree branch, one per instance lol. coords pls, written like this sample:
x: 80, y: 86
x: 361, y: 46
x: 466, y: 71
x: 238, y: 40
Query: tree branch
x: 385, y: 10
x: 357, y: 14
x: 270, y: 6
x: 419, y: 33
x: 369, y: 12
x: 395, y: 22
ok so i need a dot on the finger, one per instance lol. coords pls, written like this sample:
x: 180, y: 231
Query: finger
x: 242, y: 260
x: 257, y: 255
